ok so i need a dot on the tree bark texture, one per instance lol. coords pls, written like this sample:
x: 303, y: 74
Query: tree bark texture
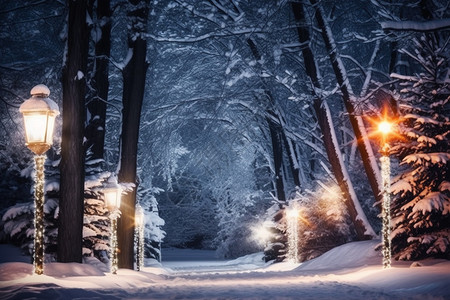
x: 70, y: 232
x: 95, y: 130
x: 277, y: 136
x: 277, y: 148
x: 134, y: 75
x: 364, y: 147
x: 327, y: 128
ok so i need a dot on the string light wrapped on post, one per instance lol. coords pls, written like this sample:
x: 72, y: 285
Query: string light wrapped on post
x: 113, y: 193
x: 39, y: 113
x: 385, y: 128
x: 292, y: 225
x: 139, y: 236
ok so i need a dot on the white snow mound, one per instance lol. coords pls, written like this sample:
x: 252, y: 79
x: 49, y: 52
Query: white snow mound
x: 350, y: 255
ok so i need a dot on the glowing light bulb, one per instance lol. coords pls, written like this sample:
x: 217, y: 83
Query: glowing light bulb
x: 292, y: 213
x: 385, y: 127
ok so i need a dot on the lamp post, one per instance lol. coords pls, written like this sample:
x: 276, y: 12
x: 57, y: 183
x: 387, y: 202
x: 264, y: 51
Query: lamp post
x: 39, y: 113
x: 112, y: 193
x: 385, y: 128
x: 139, y: 234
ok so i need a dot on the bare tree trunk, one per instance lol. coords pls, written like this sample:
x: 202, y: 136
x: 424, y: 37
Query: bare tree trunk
x: 278, y: 135
x: 134, y: 75
x: 95, y: 130
x: 364, y: 147
x: 362, y: 227
x: 70, y: 232
x: 277, y: 148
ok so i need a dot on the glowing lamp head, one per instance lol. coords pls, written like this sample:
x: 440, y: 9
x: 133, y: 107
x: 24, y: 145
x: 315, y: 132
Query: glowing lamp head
x: 292, y: 213
x: 39, y: 113
x: 139, y: 216
x: 113, y: 193
x: 385, y: 127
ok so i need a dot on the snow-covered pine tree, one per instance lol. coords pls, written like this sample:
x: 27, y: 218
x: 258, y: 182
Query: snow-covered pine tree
x: 153, y: 232
x: 96, y: 221
x: 16, y: 223
x: 421, y: 206
x: 323, y: 220
x: 276, y: 248
x: 322, y: 224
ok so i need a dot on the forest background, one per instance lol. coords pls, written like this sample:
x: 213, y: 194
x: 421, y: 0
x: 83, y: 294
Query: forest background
x: 247, y: 108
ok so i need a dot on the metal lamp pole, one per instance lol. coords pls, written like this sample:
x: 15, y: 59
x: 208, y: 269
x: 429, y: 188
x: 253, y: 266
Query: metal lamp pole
x: 39, y: 113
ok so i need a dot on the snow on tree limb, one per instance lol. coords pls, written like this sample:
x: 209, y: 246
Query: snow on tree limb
x: 360, y: 213
x: 210, y: 35
x: 432, y: 25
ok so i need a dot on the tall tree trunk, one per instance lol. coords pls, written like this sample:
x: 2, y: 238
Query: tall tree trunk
x: 277, y: 148
x: 364, y: 147
x: 362, y: 226
x: 95, y: 130
x: 134, y: 74
x: 275, y: 122
x: 71, y: 203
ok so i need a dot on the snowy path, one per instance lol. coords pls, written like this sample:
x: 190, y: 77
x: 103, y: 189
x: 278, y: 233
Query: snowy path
x: 352, y: 271
x: 188, y: 261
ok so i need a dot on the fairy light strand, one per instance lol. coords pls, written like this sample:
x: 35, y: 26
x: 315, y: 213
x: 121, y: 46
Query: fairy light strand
x: 139, y: 243
x: 38, y: 256
x: 292, y: 215
x: 386, y: 207
x: 114, y: 245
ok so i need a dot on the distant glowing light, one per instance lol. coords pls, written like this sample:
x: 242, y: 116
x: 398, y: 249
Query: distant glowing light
x: 292, y: 213
x: 385, y: 127
x: 261, y: 233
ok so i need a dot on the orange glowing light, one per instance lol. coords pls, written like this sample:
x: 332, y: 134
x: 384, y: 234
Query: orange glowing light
x: 385, y: 127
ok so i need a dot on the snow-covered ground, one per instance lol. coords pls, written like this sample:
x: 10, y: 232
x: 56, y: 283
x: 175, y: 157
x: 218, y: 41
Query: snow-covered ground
x: 351, y: 271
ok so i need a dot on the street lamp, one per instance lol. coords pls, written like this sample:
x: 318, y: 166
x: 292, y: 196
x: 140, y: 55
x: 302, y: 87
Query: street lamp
x: 112, y: 193
x: 385, y: 128
x: 39, y: 113
x: 139, y: 225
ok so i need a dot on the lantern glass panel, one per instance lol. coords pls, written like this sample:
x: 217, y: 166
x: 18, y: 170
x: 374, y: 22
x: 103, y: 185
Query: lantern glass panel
x: 35, y: 127
x: 139, y: 218
x: 50, y: 128
x: 112, y: 197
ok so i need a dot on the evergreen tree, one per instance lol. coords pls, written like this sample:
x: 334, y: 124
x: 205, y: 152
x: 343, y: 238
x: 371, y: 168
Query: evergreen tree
x: 421, y: 207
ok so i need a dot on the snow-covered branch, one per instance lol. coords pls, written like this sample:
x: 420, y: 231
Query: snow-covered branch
x: 426, y: 26
x: 210, y: 35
